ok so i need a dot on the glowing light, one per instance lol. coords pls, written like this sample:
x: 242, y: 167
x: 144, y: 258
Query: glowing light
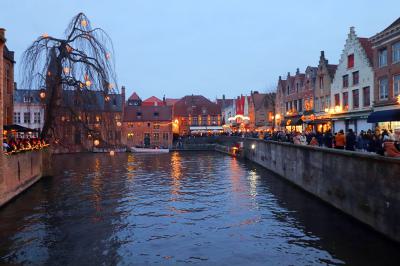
x: 69, y: 48
x: 338, y: 108
x: 48, y: 73
x: 398, y: 99
x: 326, y: 110
x: 110, y: 85
x: 119, y: 124
x: 42, y: 95
x: 112, y: 153
x: 278, y: 116
x: 66, y: 70
x: 96, y: 142
x: 107, y: 98
x: 253, y: 146
x: 176, y: 121
x: 45, y: 35
x: 88, y: 83
x: 84, y: 23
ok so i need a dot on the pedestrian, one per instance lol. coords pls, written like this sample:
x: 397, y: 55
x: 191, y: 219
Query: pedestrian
x: 340, y: 140
x: 350, y: 140
x: 328, y: 139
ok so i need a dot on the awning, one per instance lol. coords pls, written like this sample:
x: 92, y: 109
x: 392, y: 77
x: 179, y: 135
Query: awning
x: 295, y: 121
x: 318, y: 121
x: 18, y: 128
x: 384, y: 116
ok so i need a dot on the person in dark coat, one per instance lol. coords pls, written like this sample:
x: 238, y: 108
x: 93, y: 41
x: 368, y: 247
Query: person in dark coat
x: 328, y: 137
x: 350, y: 140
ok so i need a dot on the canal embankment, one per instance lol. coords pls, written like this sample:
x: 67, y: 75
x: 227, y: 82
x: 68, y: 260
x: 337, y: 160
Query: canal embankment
x: 22, y: 170
x: 364, y: 186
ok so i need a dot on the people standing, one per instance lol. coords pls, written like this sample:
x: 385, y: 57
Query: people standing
x: 340, y: 140
x: 350, y: 140
x: 328, y: 139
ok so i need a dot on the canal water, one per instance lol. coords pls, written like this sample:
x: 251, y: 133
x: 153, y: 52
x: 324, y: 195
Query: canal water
x: 178, y: 209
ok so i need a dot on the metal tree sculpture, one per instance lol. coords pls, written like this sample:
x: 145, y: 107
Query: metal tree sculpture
x: 80, y: 62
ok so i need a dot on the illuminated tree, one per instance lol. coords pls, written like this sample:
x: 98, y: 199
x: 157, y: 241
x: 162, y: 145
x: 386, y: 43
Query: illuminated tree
x: 80, y: 62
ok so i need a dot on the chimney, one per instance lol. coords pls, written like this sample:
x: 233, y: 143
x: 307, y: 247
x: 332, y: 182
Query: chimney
x: 322, y: 54
x: 123, y: 96
x: 223, y: 96
x: 297, y: 71
x: 280, y: 78
x: 352, y: 31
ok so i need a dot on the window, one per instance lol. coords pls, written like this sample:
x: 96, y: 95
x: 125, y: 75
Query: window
x: 356, y: 101
x: 321, y: 82
x: 396, y: 52
x: 300, y: 105
x: 156, y: 126
x: 214, y: 120
x: 295, y: 105
x: 288, y: 90
x: 156, y: 114
x: 27, y: 118
x: 287, y: 107
x: 328, y: 101
x: 316, y: 104
x: 27, y: 99
x: 297, y: 87
x: 17, y: 118
x: 345, y: 81
x: 8, y: 79
x: 350, y: 61
x: 366, y: 96
x: 322, y: 104
x: 383, y: 89
x: 382, y: 57
x: 36, y: 117
x: 355, y: 78
x: 156, y: 136
x: 337, y: 99
x: 194, y: 121
x: 345, y: 100
x: 165, y: 136
x: 204, y: 120
x: 396, y: 85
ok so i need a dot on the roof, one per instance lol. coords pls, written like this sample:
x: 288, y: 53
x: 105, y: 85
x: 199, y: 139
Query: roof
x: 153, y: 100
x: 258, y: 100
x: 134, y: 96
x: 147, y: 113
x: 224, y: 102
x: 331, y: 69
x: 367, y: 45
x: 8, y: 54
x: 20, y: 94
x: 92, y: 101
x: 196, y: 105
x: 395, y: 23
x: 171, y: 101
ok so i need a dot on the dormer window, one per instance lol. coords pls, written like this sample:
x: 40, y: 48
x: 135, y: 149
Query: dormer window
x: 156, y: 114
x: 27, y: 99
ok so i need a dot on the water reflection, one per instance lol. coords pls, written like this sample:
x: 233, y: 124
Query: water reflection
x: 178, y: 209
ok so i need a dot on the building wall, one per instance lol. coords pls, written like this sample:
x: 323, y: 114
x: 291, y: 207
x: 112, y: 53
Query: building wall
x: 21, y: 171
x: 381, y: 41
x: 160, y: 133
x: 361, y: 185
x: 8, y: 88
x: 322, y: 89
x: 357, y: 116
x: 19, y: 117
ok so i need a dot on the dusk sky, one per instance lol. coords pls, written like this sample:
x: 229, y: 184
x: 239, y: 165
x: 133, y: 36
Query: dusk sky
x: 209, y: 47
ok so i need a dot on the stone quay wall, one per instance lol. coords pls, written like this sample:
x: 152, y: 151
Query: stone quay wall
x: 22, y: 170
x: 364, y: 186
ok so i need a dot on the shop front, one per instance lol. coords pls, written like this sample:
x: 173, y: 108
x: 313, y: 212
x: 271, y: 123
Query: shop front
x: 317, y: 123
x: 386, y: 119
x: 293, y: 124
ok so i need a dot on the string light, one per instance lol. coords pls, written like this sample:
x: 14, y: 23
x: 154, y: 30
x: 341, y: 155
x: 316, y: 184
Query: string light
x: 66, y: 70
x: 84, y: 23
x: 108, y: 56
x: 88, y: 83
x: 45, y: 35
x: 96, y: 142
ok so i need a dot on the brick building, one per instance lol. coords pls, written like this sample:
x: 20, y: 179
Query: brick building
x: 263, y: 105
x: 8, y: 85
x: 147, y: 123
x: 195, y: 113
x: 29, y: 109
x: 322, y: 94
x: 386, y: 62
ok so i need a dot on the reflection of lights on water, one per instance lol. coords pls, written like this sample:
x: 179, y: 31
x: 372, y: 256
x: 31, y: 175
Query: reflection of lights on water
x: 253, y: 178
x: 131, y: 167
x: 176, y: 172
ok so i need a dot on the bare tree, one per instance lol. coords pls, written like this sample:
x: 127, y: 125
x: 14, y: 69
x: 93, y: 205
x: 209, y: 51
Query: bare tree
x: 80, y: 62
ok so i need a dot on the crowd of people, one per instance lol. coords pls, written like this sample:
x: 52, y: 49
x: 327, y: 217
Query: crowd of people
x: 382, y: 142
x: 16, y: 145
